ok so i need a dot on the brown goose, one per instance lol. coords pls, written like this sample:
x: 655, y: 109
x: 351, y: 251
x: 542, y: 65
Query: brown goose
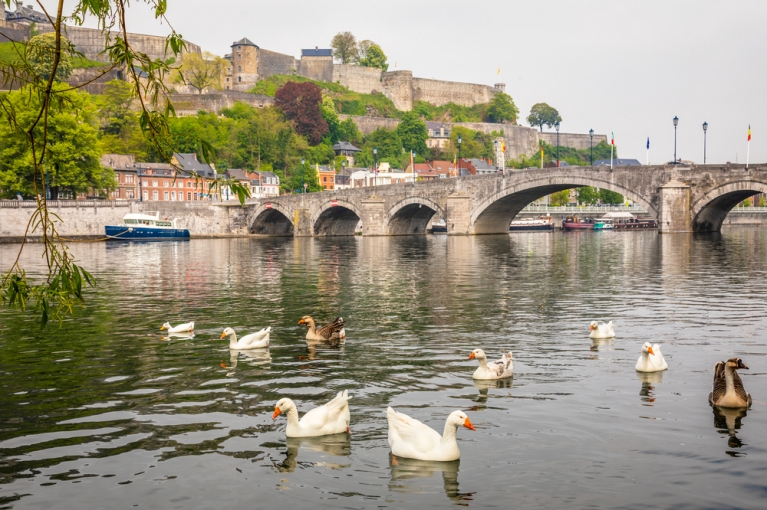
x: 728, y: 388
x: 331, y: 332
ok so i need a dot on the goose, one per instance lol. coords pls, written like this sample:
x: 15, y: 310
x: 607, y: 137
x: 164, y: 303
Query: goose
x: 330, y: 418
x: 257, y: 340
x: 412, y: 439
x: 651, y: 359
x: 500, y: 369
x: 181, y: 328
x: 334, y: 331
x: 601, y: 330
x: 728, y: 388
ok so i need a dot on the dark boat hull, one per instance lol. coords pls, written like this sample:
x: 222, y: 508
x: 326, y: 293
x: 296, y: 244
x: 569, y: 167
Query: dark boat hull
x: 636, y: 225
x: 124, y: 233
x: 577, y: 226
x: 531, y: 228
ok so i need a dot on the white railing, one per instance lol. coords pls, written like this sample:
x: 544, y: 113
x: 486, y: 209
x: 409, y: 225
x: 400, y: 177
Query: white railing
x: 535, y: 208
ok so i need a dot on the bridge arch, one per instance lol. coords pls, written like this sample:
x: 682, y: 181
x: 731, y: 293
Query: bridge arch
x: 336, y: 217
x: 709, y: 211
x: 272, y: 220
x: 411, y: 215
x: 495, y: 212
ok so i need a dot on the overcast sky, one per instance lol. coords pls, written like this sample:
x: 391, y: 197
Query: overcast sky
x: 626, y: 66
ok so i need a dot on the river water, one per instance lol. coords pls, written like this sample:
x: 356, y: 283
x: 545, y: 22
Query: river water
x: 103, y: 412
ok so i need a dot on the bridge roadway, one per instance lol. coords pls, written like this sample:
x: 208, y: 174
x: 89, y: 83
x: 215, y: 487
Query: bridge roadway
x: 693, y: 198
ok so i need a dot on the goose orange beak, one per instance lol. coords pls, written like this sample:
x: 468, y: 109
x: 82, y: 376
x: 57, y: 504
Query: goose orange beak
x: 592, y: 327
x: 301, y: 321
x: 468, y: 424
x: 276, y: 412
x: 223, y: 335
x: 471, y: 356
x: 649, y: 349
x: 162, y: 328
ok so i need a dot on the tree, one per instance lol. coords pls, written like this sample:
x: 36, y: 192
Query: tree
x: 502, y: 109
x: 541, y: 114
x: 588, y: 195
x: 331, y: 117
x: 413, y: 133
x: 300, y: 102
x: 560, y: 198
x: 374, y: 57
x: 344, y: 47
x: 71, y: 147
x: 41, y: 53
x: 610, y: 197
x: 200, y: 71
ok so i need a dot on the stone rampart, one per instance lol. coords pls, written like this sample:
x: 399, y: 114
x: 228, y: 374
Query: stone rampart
x: 574, y: 140
x: 438, y: 92
x: 271, y: 62
x: 93, y: 79
x: 10, y: 31
x: 364, y: 80
x: 367, y: 125
x: 190, y: 104
x: 317, y: 68
x: 398, y: 86
x: 88, y: 217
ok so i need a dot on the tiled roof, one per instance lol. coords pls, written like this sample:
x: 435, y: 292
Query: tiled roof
x: 190, y: 163
x: 317, y: 53
x: 345, y: 146
x: 244, y: 42
x: 118, y: 161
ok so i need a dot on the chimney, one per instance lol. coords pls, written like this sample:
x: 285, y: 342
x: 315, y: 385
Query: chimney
x: 316, y: 47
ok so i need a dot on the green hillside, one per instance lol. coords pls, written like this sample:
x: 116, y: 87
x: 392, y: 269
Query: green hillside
x: 9, y: 52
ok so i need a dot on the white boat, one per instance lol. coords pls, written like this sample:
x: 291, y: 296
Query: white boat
x: 146, y: 226
x: 532, y: 224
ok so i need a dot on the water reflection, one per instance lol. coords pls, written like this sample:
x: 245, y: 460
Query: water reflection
x: 315, y: 348
x: 727, y: 421
x: 336, y: 445
x: 254, y: 357
x: 405, y: 472
x: 602, y: 344
x: 178, y: 336
x: 485, y: 385
x: 648, y: 380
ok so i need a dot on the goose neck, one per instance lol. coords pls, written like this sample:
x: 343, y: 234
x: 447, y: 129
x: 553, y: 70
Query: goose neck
x: 233, y: 340
x: 450, y: 432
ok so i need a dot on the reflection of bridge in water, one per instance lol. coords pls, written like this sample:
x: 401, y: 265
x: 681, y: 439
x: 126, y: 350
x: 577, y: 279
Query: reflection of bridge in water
x: 679, y: 198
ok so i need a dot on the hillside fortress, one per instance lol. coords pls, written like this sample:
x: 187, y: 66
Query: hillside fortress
x: 249, y: 63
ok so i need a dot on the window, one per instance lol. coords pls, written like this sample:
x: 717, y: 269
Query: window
x: 180, y: 184
x: 154, y: 195
x: 173, y: 195
x: 118, y: 178
x: 239, y: 78
x: 146, y: 183
x: 129, y: 194
x: 129, y: 179
x: 165, y: 196
x: 155, y: 184
x: 227, y: 79
x: 239, y: 69
x: 239, y: 55
x: 146, y: 195
x: 189, y: 195
x: 165, y: 184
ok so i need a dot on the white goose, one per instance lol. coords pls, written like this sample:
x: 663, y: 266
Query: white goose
x: 330, y: 418
x: 601, y: 330
x: 181, y: 328
x: 257, y: 340
x: 651, y: 359
x: 412, y: 439
x: 500, y: 369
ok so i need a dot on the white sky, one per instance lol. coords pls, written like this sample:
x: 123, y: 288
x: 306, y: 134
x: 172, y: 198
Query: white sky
x: 626, y: 66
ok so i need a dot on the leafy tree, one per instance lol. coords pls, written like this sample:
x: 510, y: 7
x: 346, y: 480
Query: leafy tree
x: 387, y: 142
x: 610, y: 197
x: 413, y: 133
x: 541, y: 114
x: 331, y: 117
x: 473, y: 143
x: 502, y: 109
x: 300, y: 102
x: 71, y: 147
x: 344, y: 47
x: 588, y: 195
x: 349, y: 132
x: 560, y: 198
x: 374, y: 57
x: 200, y: 71
x: 41, y: 54
x: 306, y: 174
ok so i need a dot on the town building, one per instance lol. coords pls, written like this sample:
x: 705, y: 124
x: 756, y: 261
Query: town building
x: 439, y: 135
x: 261, y: 184
x: 327, y: 177
x: 477, y: 166
x: 126, y: 175
x: 344, y: 177
x: 385, y: 175
x: 348, y: 150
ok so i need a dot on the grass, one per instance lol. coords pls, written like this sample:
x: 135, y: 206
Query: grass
x: 9, y: 52
x: 347, y: 101
x: 451, y: 112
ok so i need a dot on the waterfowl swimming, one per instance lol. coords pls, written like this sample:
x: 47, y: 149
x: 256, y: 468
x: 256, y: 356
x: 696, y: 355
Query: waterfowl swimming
x: 181, y: 328
x: 412, y: 439
x: 728, y: 388
x: 257, y: 340
x: 330, y: 418
x: 499, y: 369
x: 601, y: 330
x: 333, y: 331
x: 651, y: 359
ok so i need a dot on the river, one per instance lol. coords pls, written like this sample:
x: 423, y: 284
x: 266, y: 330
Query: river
x: 103, y: 412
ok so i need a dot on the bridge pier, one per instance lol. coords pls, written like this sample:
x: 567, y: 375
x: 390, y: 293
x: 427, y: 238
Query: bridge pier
x: 674, y: 211
x: 373, y: 217
x: 302, y: 223
x: 458, y: 212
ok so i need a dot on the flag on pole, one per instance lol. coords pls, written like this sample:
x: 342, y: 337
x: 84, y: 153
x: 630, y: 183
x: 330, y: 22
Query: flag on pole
x: 612, y: 139
x: 499, y: 71
x: 503, y: 146
x: 749, y: 132
x: 648, y: 143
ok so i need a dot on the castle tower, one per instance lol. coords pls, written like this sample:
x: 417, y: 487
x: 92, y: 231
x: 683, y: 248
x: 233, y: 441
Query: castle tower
x: 500, y: 86
x: 244, y: 65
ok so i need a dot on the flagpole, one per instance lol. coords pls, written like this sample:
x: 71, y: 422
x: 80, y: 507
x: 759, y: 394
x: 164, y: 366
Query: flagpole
x: 748, y: 145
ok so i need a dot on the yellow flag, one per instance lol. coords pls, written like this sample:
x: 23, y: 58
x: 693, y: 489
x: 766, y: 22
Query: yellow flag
x: 499, y: 71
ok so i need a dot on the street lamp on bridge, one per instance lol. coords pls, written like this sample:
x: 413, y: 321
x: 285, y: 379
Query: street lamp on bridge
x: 375, y: 167
x: 676, y: 121
x: 460, y: 141
x: 591, y: 147
x: 705, y: 128
x: 556, y: 126
x: 303, y: 162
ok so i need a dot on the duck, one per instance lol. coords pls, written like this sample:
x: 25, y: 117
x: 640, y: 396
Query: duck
x: 728, y: 388
x: 181, y: 328
x: 651, y: 359
x: 601, y: 330
x: 257, y: 340
x: 331, y: 332
x: 330, y: 418
x: 411, y: 439
x: 500, y: 369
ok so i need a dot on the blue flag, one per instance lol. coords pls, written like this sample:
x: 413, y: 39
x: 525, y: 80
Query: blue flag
x: 648, y: 143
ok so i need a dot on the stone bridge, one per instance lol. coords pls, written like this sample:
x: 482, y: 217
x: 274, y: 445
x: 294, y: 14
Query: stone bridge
x: 681, y: 198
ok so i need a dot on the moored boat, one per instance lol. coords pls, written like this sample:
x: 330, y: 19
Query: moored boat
x: 438, y: 227
x: 532, y: 224
x: 145, y: 227
x: 603, y: 224
x: 576, y: 223
x: 626, y: 220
